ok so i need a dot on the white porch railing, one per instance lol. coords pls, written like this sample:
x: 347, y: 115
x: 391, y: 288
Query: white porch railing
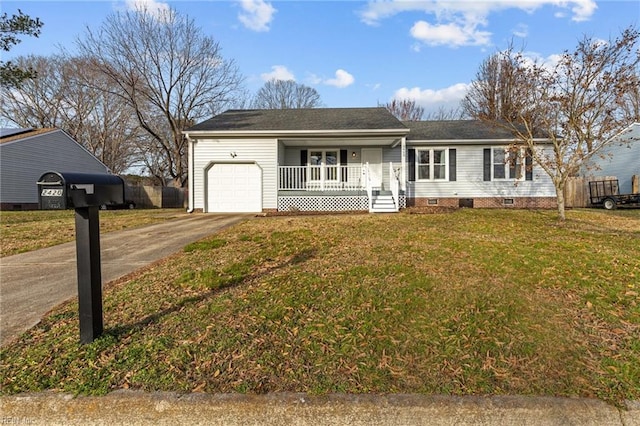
x: 394, y: 182
x: 367, y: 181
x: 320, y: 178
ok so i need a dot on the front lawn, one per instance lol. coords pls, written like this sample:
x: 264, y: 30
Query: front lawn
x: 22, y: 231
x: 470, y: 302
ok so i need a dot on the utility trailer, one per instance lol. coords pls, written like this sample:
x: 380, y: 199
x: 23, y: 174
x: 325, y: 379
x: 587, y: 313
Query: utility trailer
x: 606, y: 193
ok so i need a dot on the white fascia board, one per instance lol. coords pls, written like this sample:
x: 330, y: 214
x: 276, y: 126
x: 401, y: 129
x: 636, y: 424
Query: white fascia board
x: 471, y: 141
x: 629, y: 129
x: 294, y: 133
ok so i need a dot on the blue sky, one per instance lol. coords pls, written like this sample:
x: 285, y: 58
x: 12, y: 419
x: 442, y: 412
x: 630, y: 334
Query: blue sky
x: 359, y: 53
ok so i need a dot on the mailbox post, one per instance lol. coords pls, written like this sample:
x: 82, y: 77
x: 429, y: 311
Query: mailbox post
x: 89, y: 273
x: 85, y: 193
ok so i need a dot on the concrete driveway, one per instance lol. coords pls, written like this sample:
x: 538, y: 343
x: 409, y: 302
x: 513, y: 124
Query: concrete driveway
x: 33, y: 283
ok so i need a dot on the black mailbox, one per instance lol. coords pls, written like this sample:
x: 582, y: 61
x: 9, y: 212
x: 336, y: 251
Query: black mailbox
x: 86, y: 193
x: 67, y: 190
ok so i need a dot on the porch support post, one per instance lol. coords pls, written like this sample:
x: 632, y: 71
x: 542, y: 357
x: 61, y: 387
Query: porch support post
x: 403, y: 165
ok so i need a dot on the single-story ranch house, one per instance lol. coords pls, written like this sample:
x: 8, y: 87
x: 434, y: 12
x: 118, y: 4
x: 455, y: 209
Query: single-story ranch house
x: 331, y: 159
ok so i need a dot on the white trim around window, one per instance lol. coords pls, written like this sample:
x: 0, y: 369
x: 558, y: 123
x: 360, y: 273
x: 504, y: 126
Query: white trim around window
x: 508, y: 163
x: 432, y: 164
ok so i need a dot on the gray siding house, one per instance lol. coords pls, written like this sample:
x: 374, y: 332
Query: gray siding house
x: 331, y: 159
x: 25, y: 154
x: 620, y: 158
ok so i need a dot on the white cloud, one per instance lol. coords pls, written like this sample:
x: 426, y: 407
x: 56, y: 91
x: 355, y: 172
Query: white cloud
x: 449, y: 34
x: 341, y: 80
x: 278, y: 72
x: 521, y: 30
x: 548, y: 62
x: 256, y: 15
x: 155, y: 8
x: 458, y: 23
x: 583, y: 9
x: 434, y: 100
x: 314, y: 79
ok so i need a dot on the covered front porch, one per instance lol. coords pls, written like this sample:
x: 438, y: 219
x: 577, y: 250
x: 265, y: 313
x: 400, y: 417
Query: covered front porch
x: 334, y: 175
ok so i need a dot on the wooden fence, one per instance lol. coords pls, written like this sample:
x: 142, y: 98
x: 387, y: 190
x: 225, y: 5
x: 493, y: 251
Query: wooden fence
x: 576, y: 191
x: 147, y: 197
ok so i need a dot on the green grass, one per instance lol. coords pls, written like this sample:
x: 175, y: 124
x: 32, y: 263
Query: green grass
x: 473, y: 302
x: 31, y: 230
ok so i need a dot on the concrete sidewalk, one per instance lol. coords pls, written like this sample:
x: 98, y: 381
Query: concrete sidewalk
x: 139, y: 408
x: 33, y: 283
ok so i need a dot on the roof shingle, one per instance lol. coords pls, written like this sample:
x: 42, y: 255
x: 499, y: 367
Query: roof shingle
x: 320, y: 119
x: 454, y: 130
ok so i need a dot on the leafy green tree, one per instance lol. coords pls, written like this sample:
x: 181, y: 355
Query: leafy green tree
x: 10, y: 29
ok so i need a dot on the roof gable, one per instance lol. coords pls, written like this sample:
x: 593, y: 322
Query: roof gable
x: 304, y: 119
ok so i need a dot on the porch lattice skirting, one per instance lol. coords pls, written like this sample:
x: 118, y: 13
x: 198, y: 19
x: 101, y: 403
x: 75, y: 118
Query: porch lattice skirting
x: 327, y: 203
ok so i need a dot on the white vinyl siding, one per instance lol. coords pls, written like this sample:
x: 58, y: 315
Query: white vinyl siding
x: 23, y: 161
x: 390, y: 155
x: 470, y: 183
x: 263, y: 152
x: 620, y: 159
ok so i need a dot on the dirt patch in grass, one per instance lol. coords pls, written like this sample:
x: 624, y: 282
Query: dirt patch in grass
x: 475, y: 302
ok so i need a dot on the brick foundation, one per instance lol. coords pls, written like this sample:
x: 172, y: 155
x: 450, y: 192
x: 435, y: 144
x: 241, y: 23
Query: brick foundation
x: 485, y: 203
x: 440, y: 202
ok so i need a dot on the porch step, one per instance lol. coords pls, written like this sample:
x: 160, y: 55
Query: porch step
x: 383, y: 204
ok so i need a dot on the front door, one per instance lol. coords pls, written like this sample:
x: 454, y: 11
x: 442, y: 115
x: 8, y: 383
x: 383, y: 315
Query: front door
x: 373, y: 156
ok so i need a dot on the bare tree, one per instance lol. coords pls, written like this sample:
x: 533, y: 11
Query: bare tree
x: 37, y: 102
x: 578, y: 105
x: 286, y: 94
x: 631, y: 100
x: 57, y: 98
x: 494, y: 93
x: 405, y: 109
x: 172, y: 75
x: 445, y: 114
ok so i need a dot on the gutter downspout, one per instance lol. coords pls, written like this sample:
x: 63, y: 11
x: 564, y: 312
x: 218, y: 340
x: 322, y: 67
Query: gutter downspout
x: 191, y: 168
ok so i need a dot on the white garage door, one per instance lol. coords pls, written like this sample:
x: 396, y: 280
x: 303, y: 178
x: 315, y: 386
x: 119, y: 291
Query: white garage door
x: 234, y: 188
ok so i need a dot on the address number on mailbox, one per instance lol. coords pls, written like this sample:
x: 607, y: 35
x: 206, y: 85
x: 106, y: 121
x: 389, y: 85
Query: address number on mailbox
x: 51, y: 192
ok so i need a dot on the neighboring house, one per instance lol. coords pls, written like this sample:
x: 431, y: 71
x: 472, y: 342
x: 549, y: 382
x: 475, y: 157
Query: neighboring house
x: 619, y: 159
x: 331, y: 159
x: 25, y: 154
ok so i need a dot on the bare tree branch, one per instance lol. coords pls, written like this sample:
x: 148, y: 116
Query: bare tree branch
x: 169, y: 73
x: 405, y: 109
x: 286, y: 94
x: 58, y: 98
x: 578, y: 105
